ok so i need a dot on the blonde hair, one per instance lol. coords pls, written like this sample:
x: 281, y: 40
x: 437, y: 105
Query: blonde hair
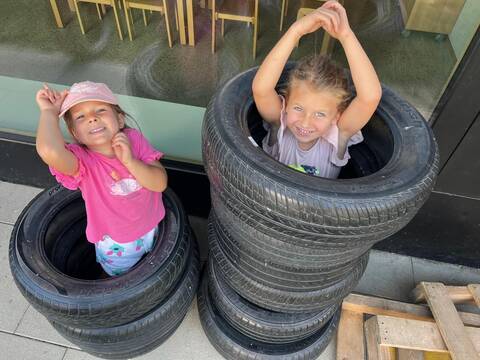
x: 323, y: 75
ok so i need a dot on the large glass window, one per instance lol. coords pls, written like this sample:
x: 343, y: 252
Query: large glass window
x: 415, y: 45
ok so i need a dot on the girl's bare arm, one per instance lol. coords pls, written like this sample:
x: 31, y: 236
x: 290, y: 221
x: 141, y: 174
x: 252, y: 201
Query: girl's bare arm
x: 50, y: 144
x: 365, y: 79
x: 151, y: 176
x: 266, y: 98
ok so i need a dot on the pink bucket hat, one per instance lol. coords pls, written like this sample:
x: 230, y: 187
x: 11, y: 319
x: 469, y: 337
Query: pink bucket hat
x: 87, y: 91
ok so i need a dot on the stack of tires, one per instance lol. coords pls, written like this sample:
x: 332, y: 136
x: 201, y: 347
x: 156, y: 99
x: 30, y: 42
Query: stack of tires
x: 287, y: 247
x: 120, y: 317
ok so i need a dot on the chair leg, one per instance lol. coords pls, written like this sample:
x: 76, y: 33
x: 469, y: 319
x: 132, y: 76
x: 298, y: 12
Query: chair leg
x: 79, y: 17
x: 104, y: 9
x: 223, y: 27
x: 176, y: 18
x: 56, y: 14
x: 144, y: 17
x: 255, y: 26
x: 255, y: 30
x: 326, y: 44
x: 167, y: 23
x: 255, y: 40
x: 128, y: 18
x: 99, y: 12
x: 117, y: 20
x: 71, y: 6
x: 190, y: 23
x: 282, y: 14
x: 213, y: 27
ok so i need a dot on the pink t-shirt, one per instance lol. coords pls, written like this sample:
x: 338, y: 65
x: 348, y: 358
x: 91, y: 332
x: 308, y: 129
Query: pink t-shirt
x: 117, y: 205
x: 320, y: 160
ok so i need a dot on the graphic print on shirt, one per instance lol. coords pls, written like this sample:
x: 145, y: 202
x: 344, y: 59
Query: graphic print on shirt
x: 310, y: 170
x: 124, y: 187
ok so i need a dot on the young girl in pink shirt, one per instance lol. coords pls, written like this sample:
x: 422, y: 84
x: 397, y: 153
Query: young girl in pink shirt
x: 115, y: 168
x: 311, y: 128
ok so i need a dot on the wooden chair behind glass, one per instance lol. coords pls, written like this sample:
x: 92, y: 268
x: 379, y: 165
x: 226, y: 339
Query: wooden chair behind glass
x: 236, y: 10
x: 151, y: 5
x: 100, y: 4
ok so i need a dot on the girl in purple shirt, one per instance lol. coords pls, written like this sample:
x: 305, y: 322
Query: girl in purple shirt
x: 115, y: 167
x: 311, y: 127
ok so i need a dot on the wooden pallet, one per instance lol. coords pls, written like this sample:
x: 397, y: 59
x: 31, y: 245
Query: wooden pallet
x: 403, y: 331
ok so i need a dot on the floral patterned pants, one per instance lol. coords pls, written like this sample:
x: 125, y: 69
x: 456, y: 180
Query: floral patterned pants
x: 117, y: 258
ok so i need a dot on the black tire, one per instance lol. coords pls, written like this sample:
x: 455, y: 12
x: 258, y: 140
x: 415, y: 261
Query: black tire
x: 373, y: 206
x: 269, y: 273
x: 233, y: 345
x: 259, y: 323
x: 283, y: 249
x: 275, y: 299
x: 146, y: 333
x: 45, y: 227
x: 339, y: 244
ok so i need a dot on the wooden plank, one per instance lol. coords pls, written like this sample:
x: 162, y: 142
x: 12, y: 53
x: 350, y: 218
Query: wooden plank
x: 458, y: 294
x: 387, y: 353
x: 375, y: 350
x: 436, y: 356
x: 372, y: 338
x: 475, y: 291
x: 350, y: 336
x: 380, y: 306
x: 449, y: 323
x: 407, y: 354
x: 416, y: 334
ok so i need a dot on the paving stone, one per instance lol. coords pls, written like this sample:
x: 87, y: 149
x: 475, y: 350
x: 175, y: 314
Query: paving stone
x: 12, y: 306
x: 35, y: 325
x: 14, y: 198
x: 73, y: 354
x: 387, y: 275
x: 189, y: 342
x: 17, y: 347
x: 5, y: 274
x: 449, y: 274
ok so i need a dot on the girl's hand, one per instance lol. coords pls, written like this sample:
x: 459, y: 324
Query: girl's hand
x: 331, y: 16
x: 340, y: 28
x: 50, y: 100
x: 122, y: 149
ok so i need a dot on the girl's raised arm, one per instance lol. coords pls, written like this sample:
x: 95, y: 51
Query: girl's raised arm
x: 367, y: 85
x: 266, y: 98
x: 50, y: 143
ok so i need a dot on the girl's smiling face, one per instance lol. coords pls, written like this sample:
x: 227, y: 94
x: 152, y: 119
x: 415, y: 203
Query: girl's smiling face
x: 310, y: 113
x: 94, y: 124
